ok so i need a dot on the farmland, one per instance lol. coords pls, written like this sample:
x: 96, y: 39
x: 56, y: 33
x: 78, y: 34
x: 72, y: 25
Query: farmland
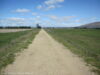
x: 12, y: 30
x: 83, y: 42
x: 13, y: 42
x: 46, y: 56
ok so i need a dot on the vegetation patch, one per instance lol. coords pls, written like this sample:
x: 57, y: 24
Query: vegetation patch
x: 11, y: 43
x: 84, y: 42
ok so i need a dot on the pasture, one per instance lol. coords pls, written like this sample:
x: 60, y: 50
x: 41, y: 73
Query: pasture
x: 84, y: 42
x: 13, y: 42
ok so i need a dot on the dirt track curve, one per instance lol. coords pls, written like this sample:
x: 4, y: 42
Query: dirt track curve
x: 45, y: 56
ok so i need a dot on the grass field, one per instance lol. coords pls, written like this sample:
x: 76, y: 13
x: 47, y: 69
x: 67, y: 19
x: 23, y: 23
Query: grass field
x: 84, y: 42
x: 13, y: 42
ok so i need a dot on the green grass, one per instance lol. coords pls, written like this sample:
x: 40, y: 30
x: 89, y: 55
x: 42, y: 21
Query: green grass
x: 11, y: 43
x: 84, y: 42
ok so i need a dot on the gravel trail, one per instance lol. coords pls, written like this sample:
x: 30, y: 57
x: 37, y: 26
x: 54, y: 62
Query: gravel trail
x: 45, y: 56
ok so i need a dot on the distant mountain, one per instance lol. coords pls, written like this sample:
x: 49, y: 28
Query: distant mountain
x: 91, y: 25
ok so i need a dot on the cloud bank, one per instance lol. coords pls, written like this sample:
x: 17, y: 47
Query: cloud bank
x: 22, y: 10
x: 50, y: 4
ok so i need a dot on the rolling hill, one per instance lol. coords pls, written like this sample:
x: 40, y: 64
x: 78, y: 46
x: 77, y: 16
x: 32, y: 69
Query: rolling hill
x: 91, y: 25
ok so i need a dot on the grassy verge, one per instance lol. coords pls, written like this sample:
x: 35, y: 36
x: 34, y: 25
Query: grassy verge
x: 84, y: 42
x: 11, y: 43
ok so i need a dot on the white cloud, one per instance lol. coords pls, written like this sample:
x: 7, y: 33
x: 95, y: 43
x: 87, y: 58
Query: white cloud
x: 39, y: 7
x: 78, y: 20
x: 60, y: 19
x: 83, y: 21
x: 53, y: 17
x: 47, y: 20
x: 16, y: 19
x: 50, y: 7
x: 19, y: 10
x: 34, y: 13
x: 38, y: 17
x: 50, y: 4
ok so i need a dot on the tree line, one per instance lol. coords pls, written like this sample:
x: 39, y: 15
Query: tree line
x: 15, y: 27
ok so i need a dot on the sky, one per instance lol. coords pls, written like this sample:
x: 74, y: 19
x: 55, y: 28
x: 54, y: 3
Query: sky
x: 49, y: 13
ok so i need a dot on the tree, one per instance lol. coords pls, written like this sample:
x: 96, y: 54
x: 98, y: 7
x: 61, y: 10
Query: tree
x: 38, y: 26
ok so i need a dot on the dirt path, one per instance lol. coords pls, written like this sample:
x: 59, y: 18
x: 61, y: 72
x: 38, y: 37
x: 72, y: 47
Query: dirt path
x: 45, y: 56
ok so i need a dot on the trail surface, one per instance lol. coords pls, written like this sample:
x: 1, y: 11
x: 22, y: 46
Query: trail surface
x: 45, y: 56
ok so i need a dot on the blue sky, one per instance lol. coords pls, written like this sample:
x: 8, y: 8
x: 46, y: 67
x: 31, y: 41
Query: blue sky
x: 49, y: 13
